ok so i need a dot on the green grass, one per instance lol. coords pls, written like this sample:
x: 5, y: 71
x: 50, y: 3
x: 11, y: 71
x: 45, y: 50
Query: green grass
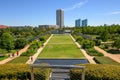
x: 3, y: 57
x: 61, y: 39
x: 61, y: 47
x: 105, y: 60
x: 21, y: 59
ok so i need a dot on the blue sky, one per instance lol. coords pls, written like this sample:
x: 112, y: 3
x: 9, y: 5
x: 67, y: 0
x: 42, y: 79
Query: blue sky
x: 38, y: 12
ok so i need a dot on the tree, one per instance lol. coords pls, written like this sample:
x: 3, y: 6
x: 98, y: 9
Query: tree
x: 7, y: 41
x: 88, y: 44
x: 97, y: 42
x: 20, y: 43
x: 117, y: 43
x: 104, y: 35
x: 42, y: 39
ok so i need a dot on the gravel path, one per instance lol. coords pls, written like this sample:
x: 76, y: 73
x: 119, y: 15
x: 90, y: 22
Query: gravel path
x: 15, y: 55
x: 115, y: 57
x: 38, y: 52
x: 90, y: 58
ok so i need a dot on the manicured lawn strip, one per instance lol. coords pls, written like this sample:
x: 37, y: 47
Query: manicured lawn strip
x: 21, y: 59
x: 3, y: 57
x: 61, y: 51
x: 61, y: 47
x: 105, y: 60
x: 61, y: 39
x: 93, y: 52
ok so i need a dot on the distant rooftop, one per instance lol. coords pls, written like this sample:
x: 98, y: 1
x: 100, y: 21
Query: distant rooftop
x: 3, y: 26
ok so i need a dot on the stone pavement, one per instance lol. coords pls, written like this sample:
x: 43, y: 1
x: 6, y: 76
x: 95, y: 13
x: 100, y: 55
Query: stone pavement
x: 115, y: 57
x: 15, y: 55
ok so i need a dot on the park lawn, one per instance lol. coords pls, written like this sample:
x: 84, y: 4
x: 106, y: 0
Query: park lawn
x: 61, y: 39
x: 61, y: 47
x: 21, y: 59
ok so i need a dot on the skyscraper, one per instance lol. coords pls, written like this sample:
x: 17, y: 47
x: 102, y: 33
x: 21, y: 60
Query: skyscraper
x: 84, y: 23
x: 60, y: 18
x: 78, y: 23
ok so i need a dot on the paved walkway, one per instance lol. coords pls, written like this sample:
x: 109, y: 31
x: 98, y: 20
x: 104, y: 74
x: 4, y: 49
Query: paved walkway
x: 15, y: 55
x: 115, y: 57
x: 90, y: 58
x: 38, y: 52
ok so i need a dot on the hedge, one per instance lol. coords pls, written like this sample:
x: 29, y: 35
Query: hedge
x: 97, y: 72
x: 21, y: 72
x: 93, y: 52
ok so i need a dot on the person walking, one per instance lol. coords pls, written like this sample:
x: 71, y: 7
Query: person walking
x: 17, y: 53
x: 31, y: 58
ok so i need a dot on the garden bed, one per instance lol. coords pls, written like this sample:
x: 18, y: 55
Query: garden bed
x: 105, y: 60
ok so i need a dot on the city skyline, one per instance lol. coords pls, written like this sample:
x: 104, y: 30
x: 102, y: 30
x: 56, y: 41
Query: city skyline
x: 37, y: 12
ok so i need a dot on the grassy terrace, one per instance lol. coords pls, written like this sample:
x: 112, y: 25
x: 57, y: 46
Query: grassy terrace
x: 61, y: 47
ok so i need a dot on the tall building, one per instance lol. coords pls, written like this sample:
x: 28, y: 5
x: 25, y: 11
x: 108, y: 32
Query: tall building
x: 60, y: 18
x: 78, y: 23
x: 84, y: 23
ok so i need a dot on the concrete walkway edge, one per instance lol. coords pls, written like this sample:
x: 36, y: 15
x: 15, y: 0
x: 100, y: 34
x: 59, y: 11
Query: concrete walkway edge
x: 90, y: 58
x: 38, y: 52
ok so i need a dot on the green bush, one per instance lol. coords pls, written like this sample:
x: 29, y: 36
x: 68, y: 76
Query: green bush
x: 97, y: 72
x: 93, y: 52
x: 20, y: 43
x: 42, y: 39
x: 88, y: 44
x: 79, y: 39
x: 21, y: 72
x: 97, y: 42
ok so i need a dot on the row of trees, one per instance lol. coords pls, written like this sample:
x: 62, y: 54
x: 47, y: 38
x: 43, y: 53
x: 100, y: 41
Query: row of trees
x: 96, y: 30
x: 104, y: 34
x: 17, y: 38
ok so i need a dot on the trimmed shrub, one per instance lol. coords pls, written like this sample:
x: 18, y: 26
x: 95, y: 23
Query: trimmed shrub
x: 79, y: 39
x: 21, y: 72
x: 97, y: 42
x: 93, y: 52
x: 88, y: 44
x: 97, y: 72
x: 42, y: 39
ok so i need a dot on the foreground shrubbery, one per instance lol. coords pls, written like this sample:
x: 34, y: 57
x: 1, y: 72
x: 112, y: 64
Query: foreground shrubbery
x: 92, y: 72
x: 93, y: 52
x: 98, y: 72
x: 21, y: 72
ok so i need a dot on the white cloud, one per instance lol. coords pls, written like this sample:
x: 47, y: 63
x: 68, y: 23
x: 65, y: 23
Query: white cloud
x: 110, y: 13
x: 77, y: 5
x: 114, y: 13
